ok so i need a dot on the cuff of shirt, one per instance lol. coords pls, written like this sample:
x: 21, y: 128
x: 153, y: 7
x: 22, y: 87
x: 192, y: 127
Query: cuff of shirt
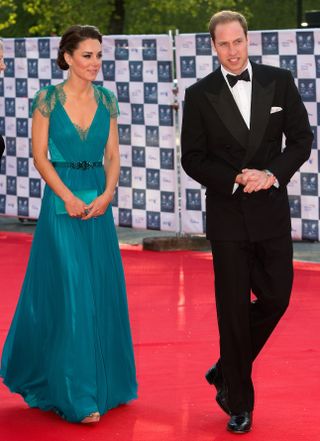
x: 235, y: 186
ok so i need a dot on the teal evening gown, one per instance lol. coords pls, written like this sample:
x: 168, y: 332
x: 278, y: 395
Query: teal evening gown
x: 69, y: 347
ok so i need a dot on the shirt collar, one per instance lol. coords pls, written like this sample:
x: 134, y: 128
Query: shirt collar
x: 225, y: 72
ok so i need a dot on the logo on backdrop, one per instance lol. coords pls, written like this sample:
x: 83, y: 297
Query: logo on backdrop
x: 167, y: 159
x: 139, y: 199
x: 152, y: 136
x: 124, y: 134
x: 164, y: 71
x: 137, y: 113
x: 310, y: 230
x: 153, y: 179
x: 44, y: 47
x: 35, y: 188
x: 11, y: 185
x: 150, y: 93
x: 315, y: 138
x: 44, y: 83
x: 2, y: 203
x: 10, y: 70
x: 2, y: 126
x: 153, y: 220
x: 22, y: 127
x: 125, y: 217
x: 11, y: 149
x: 165, y: 115
x: 3, y: 165
x: 203, y: 44
x: 108, y: 70
x: 188, y: 67
x: 56, y: 72
x: 270, y: 43
x: 317, y: 61
x: 10, y: 106
x: 21, y: 88
x: 215, y: 63
x: 167, y: 201
x: 295, y: 206
x: 121, y: 49
x: 256, y: 59
x: 289, y: 62
x: 138, y: 157
x: 123, y: 92
x: 149, y: 51
x: 33, y: 68
x: 23, y: 208
x: 1, y: 87
x: 307, y: 89
x: 115, y: 199
x: 136, y: 71
x: 309, y: 184
x: 125, y: 178
x: 305, y: 42
x: 193, y: 200
x: 22, y: 167
x: 20, y: 48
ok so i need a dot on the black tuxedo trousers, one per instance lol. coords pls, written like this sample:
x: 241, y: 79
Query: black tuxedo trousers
x: 253, y: 282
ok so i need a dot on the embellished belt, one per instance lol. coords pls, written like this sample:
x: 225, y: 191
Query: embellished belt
x: 79, y: 165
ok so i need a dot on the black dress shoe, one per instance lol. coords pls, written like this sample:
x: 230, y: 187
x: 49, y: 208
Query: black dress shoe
x: 214, y: 377
x: 240, y: 423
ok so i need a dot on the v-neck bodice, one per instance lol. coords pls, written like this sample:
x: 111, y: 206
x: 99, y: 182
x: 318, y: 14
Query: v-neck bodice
x: 62, y: 98
x: 65, y: 140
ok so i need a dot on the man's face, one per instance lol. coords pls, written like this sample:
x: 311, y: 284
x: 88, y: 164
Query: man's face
x: 231, y: 45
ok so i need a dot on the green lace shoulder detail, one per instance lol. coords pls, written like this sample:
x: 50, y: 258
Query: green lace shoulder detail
x: 109, y: 100
x: 44, y: 100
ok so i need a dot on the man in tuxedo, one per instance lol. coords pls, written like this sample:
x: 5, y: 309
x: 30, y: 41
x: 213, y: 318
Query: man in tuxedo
x: 2, y: 67
x: 233, y: 124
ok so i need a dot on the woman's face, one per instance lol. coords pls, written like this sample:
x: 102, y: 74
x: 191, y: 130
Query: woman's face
x: 85, y: 62
x: 2, y: 65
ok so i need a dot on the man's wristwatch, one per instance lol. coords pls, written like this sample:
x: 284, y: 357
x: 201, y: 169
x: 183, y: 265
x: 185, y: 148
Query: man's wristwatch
x: 268, y: 173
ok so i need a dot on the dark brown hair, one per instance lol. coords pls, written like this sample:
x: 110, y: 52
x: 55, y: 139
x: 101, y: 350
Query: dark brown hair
x: 71, y: 39
x: 226, y: 17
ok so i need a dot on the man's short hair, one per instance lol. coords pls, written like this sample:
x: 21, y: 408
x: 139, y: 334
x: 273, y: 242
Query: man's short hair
x: 226, y: 17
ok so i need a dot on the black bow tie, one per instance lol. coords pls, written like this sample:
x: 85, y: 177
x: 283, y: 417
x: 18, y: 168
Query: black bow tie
x: 233, y: 79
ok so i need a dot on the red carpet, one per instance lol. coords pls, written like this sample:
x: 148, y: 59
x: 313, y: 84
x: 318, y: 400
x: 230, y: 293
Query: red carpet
x: 175, y: 335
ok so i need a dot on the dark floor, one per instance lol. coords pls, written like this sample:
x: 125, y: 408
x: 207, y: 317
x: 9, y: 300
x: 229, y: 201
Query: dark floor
x: 304, y: 251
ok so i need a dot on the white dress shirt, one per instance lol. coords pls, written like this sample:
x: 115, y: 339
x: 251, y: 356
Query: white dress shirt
x: 241, y: 93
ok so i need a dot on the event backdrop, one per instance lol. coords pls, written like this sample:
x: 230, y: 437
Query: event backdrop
x: 139, y: 69
x: 298, y: 51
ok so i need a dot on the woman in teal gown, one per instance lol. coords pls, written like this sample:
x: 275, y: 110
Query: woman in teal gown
x: 69, y: 347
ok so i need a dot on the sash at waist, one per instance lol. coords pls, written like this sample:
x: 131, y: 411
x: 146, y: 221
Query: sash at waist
x: 79, y: 165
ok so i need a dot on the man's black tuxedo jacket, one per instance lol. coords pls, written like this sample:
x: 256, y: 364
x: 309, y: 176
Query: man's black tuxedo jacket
x: 216, y: 145
x: 1, y: 146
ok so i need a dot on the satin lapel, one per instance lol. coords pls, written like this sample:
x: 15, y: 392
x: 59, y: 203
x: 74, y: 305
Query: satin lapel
x: 226, y: 107
x: 262, y: 97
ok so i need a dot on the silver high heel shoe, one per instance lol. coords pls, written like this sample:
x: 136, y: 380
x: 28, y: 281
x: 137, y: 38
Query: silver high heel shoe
x: 92, y: 418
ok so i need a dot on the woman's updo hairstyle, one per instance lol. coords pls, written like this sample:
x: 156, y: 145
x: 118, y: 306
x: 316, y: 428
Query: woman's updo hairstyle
x: 71, y: 39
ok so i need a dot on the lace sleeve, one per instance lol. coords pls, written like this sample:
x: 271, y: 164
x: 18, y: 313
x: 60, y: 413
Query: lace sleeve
x: 44, y: 101
x: 110, y: 101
